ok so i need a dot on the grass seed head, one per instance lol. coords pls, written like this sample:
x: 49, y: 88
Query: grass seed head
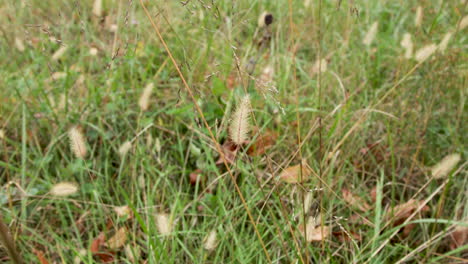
x: 124, y: 148
x: 418, y: 17
x: 97, y: 8
x: 210, y: 241
x: 145, y: 97
x: 163, y: 224
x: 463, y: 23
x: 59, y: 53
x: 444, y: 43
x: 443, y: 168
x: 425, y: 52
x: 63, y: 189
x: 407, y: 43
x: 370, y: 35
x: 19, y: 44
x: 240, y: 123
x: 77, y: 142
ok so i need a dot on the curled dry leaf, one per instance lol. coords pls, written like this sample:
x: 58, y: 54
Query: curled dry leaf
x: 293, y: 174
x: 313, y: 231
x: 118, y: 240
x: 262, y: 143
x: 97, y: 243
x: 40, y: 255
x: 459, y: 237
x: 398, y: 214
x: 63, y: 189
x: 195, y: 177
x: 355, y: 201
x: 95, y: 248
x: 229, y: 149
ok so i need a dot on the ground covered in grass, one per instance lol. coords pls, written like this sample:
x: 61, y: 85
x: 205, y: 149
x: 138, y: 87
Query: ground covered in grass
x: 234, y: 131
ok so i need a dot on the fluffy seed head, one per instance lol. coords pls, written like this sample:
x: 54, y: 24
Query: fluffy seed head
x: 407, y: 43
x: 93, y: 51
x: 163, y: 224
x: 125, y: 148
x: 418, y: 17
x: 59, y: 53
x: 210, y: 242
x: 122, y: 211
x: 425, y: 52
x: 97, y: 8
x: 444, y: 43
x: 240, y: 123
x: 370, y: 35
x: 463, y: 23
x: 443, y: 168
x: 77, y: 142
x: 63, y: 189
x: 145, y: 96
x: 19, y: 44
x: 320, y: 66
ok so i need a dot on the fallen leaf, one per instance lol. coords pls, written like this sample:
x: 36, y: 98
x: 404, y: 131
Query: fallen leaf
x: 314, y: 232
x: 229, y: 150
x: 262, y: 143
x: 400, y: 213
x: 355, y: 201
x: 97, y: 243
x: 459, y: 237
x: 195, y: 177
x: 40, y: 255
x: 104, y: 257
x: 95, y: 248
x: 118, y: 240
x: 373, y: 194
x: 293, y: 174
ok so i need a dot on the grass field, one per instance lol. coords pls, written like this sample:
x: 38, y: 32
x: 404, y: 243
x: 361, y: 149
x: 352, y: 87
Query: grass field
x: 124, y: 136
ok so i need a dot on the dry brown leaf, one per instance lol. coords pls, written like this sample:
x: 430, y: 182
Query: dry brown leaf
x: 195, y: 177
x: 401, y: 212
x: 459, y: 237
x: 262, y: 143
x: 97, y: 243
x: 40, y: 255
x: 355, y: 201
x: 293, y: 174
x: 314, y: 232
x: 373, y: 194
x: 118, y: 240
x: 229, y: 149
x: 95, y: 248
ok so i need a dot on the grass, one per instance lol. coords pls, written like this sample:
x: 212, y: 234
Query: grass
x: 373, y: 123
